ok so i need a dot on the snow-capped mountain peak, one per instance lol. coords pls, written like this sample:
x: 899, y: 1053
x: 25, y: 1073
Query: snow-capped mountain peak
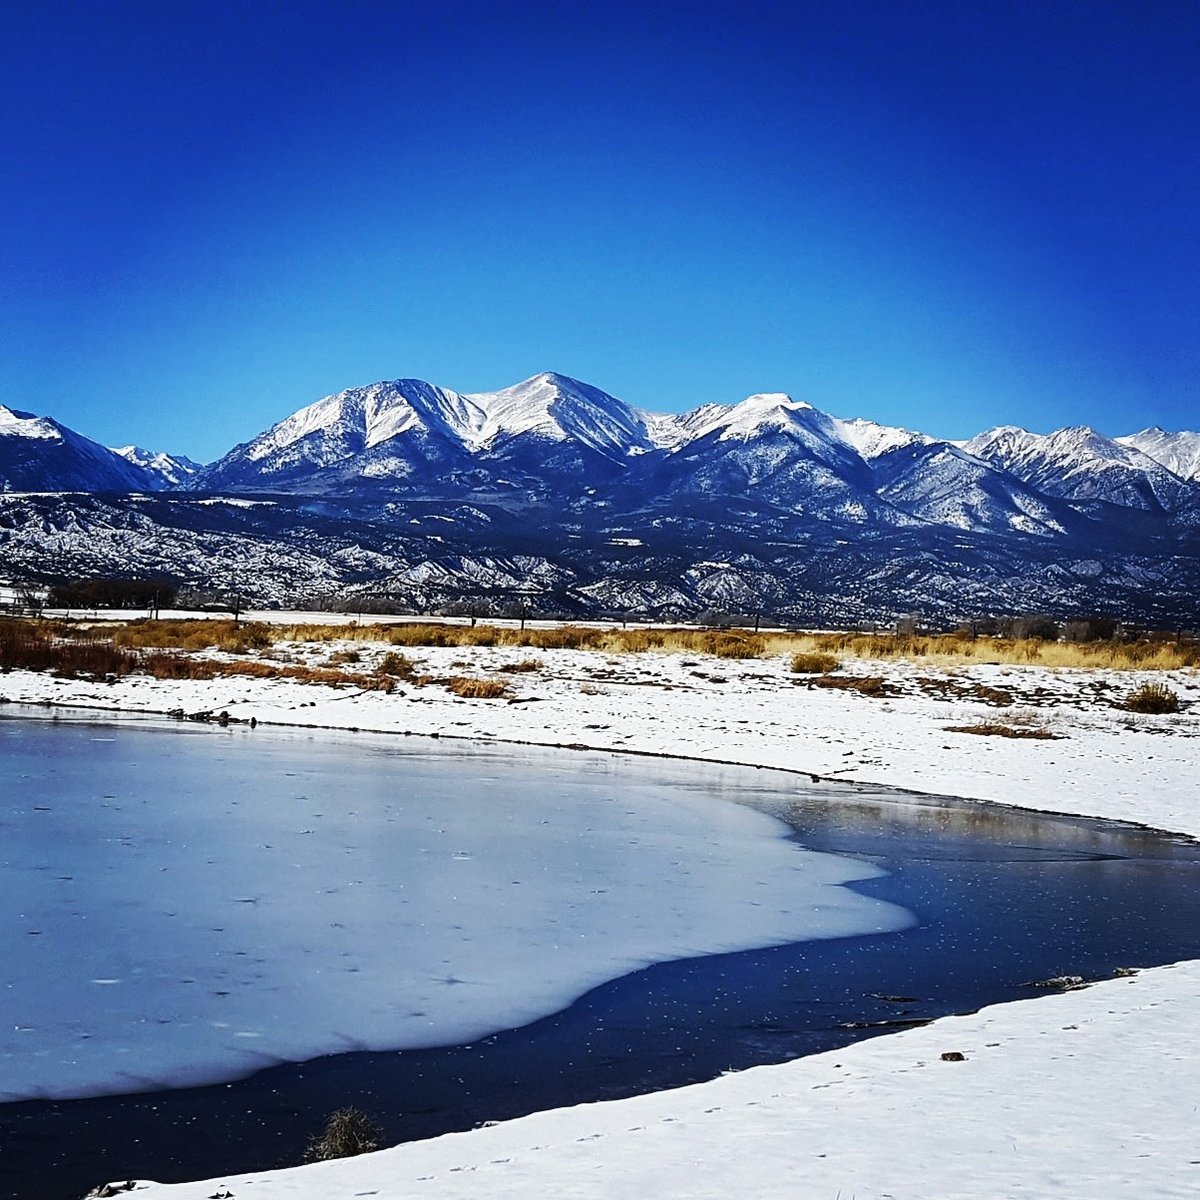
x: 559, y: 408
x: 348, y: 422
x: 172, y: 469
x: 872, y: 440
x: 1178, y: 452
x: 15, y: 423
x: 1079, y: 463
x: 751, y: 417
x: 37, y: 454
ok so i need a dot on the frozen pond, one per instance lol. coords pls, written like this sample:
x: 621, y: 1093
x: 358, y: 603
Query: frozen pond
x: 186, y: 905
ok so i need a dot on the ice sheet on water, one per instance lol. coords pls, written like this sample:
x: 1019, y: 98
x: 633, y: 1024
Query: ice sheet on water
x: 186, y: 907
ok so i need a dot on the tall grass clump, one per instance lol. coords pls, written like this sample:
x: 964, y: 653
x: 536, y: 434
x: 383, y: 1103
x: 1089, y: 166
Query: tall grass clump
x: 722, y: 644
x: 562, y: 637
x: 29, y: 646
x: 477, y: 689
x: 814, y: 663
x: 347, y: 1132
x: 1155, y: 698
x: 399, y: 665
x: 427, y: 634
x: 637, y: 641
x: 233, y: 637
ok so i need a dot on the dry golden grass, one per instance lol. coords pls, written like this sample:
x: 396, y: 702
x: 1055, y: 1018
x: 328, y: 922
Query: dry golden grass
x: 234, y: 637
x: 523, y: 667
x: 430, y: 634
x: 942, y: 650
x: 166, y: 665
x: 957, y: 650
x: 1154, y: 698
x: 814, y: 663
x: 997, y: 729
x: 638, y: 640
x: 866, y: 685
x: 477, y: 689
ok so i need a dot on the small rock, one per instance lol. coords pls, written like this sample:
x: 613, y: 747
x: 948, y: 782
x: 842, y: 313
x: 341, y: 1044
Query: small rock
x: 954, y: 1056
x: 1063, y: 982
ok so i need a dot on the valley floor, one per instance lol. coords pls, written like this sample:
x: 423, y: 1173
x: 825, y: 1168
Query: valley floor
x: 1088, y: 1093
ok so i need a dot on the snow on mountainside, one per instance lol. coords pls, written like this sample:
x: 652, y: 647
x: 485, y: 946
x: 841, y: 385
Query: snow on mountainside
x: 406, y: 490
x: 773, y: 450
x: 872, y: 440
x: 560, y: 409
x: 414, y: 434
x: 943, y: 484
x: 554, y: 439
x: 171, y: 469
x: 1079, y: 464
x: 1178, y: 452
x: 37, y: 454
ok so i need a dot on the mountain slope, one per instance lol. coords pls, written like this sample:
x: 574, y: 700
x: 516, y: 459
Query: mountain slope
x: 170, y: 470
x: 37, y: 454
x: 418, y: 495
x: 1178, y: 452
x: 398, y: 433
x: 410, y: 436
x: 1082, y: 465
x: 772, y: 450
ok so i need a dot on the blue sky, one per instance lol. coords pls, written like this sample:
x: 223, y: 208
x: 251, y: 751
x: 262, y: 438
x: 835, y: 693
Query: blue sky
x: 939, y: 215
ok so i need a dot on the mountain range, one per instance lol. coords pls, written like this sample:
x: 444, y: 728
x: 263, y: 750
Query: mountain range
x: 417, y: 494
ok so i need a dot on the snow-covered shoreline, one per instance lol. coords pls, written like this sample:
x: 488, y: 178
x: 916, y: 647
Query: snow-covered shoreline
x: 1090, y: 1093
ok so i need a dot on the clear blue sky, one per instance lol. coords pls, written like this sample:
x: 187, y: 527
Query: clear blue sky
x: 944, y: 215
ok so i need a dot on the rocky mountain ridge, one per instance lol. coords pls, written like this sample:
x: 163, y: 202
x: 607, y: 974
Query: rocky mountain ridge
x: 416, y: 495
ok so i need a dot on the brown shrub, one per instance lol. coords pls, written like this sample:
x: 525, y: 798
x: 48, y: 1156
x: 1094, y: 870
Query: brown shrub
x: 399, y: 665
x: 29, y: 646
x: 867, y: 685
x: 731, y: 645
x: 996, y: 729
x: 347, y: 1132
x: 814, y: 664
x: 427, y: 634
x: 563, y: 637
x: 477, y: 689
x: 522, y: 667
x: 1154, y: 698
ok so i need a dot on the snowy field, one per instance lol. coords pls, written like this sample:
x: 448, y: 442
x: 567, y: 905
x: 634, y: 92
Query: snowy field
x: 1091, y: 1093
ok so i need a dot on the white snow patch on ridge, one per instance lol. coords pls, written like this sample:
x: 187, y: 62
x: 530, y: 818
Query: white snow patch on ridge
x: 23, y: 424
x: 872, y: 440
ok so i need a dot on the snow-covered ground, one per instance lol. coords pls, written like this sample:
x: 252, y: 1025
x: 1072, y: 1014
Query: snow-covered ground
x: 1091, y: 1093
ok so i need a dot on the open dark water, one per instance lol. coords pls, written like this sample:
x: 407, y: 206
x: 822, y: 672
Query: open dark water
x: 1002, y: 897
